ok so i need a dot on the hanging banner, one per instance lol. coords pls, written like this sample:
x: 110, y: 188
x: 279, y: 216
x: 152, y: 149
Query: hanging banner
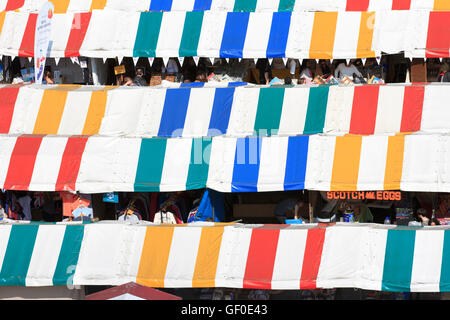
x: 42, y: 40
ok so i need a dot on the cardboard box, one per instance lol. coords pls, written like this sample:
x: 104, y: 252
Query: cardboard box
x: 418, y: 70
x: 254, y: 210
x: 170, y: 78
x: 155, y: 80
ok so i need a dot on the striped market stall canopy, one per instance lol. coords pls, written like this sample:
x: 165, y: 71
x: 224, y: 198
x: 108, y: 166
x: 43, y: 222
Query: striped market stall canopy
x: 61, y: 6
x: 64, y: 6
x: 300, y: 35
x: 194, y: 112
x: 275, y: 257
x: 326, y: 163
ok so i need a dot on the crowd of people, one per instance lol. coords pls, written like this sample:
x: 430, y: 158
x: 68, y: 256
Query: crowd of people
x: 275, y: 71
x: 172, y: 71
x: 65, y: 206
x: 200, y: 205
x: 264, y: 72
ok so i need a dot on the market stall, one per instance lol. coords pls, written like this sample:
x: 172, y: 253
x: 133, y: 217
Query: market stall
x: 299, y: 35
x: 65, y: 6
x: 87, y: 147
x: 231, y: 109
x: 326, y: 163
x: 365, y: 256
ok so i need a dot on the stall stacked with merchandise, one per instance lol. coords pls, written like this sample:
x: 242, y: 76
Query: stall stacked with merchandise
x: 229, y: 138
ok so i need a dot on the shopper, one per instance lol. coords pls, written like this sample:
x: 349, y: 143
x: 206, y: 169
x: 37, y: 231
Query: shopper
x: 171, y: 68
x: 201, y: 77
x: 127, y: 82
x: 265, y: 71
x: 139, y: 80
x: 372, y: 69
x: 306, y: 70
x: 346, y: 70
x: 444, y: 75
x: 189, y: 70
x: 48, y: 79
x: 422, y: 216
x: 288, y: 81
x: 25, y: 203
x: 434, y: 222
x: 323, y: 69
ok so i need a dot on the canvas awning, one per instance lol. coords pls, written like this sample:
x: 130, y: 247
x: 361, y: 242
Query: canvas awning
x: 253, y: 164
x: 64, y: 6
x: 300, y: 35
x: 224, y: 109
x: 235, y: 256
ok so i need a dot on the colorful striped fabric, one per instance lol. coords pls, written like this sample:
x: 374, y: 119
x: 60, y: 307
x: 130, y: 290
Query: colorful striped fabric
x: 223, y: 255
x: 39, y: 255
x: 10, y: 5
x: 253, y: 164
x: 216, y: 34
x: 64, y: 6
x: 61, y: 6
x: 195, y: 112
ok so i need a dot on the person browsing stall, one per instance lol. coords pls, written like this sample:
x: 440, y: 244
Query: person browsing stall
x: 48, y: 79
x: 265, y: 71
x: 444, y: 75
x: 139, y: 80
x: 422, y: 216
x: 346, y: 70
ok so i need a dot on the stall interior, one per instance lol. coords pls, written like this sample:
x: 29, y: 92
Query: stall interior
x: 288, y: 207
x: 394, y: 68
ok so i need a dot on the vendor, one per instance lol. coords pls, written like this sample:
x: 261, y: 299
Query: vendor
x: 289, y: 208
x: 362, y: 213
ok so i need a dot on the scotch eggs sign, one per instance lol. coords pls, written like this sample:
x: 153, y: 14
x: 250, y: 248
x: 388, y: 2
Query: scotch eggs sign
x: 365, y: 195
x: 42, y: 40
